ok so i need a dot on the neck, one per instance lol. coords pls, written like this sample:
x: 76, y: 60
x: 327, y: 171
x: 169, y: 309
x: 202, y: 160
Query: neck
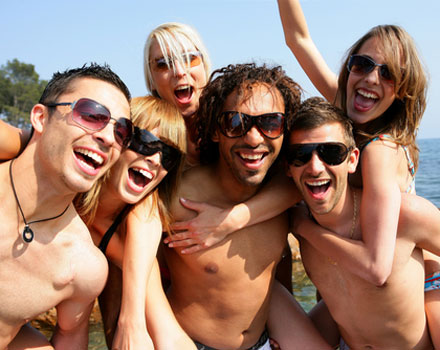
x: 343, y: 218
x: 38, y: 195
x: 110, y: 205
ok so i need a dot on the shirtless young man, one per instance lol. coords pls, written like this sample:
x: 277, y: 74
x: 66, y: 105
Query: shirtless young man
x: 52, y: 261
x: 221, y: 295
x: 321, y: 154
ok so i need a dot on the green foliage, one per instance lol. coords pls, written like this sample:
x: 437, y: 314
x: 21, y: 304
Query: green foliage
x: 20, y: 89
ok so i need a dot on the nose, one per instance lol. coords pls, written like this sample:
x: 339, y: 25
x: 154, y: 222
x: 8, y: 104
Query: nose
x: 106, y: 136
x: 315, y: 166
x: 254, y: 137
x: 373, y: 77
x: 154, y: 159
x: 180, y: 70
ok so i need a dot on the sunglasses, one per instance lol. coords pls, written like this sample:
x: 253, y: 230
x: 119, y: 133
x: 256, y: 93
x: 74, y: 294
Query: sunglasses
x: 236, y: 124
x: 360, y: 64
x: 145, y: 143
x: 331, y: 153
x: 92, y: 115
x: 192, y: 59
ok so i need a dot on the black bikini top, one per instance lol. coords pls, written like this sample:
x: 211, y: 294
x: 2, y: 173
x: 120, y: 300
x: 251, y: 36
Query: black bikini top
x: 112, y: 229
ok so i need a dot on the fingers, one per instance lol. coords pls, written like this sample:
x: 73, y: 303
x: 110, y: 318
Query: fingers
x: 179, y: 237
x: 191, y: 205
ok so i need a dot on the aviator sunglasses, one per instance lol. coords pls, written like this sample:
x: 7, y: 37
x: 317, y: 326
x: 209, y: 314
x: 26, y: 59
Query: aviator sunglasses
x: 360, y: 64
x: 236, y: 124
x: 192, y: 59
x: 331, y: 153
x: 92, y: 115
x: 145, y: 143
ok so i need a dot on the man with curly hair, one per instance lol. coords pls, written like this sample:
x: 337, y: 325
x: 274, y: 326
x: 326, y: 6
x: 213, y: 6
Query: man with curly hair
x: 221, y: 295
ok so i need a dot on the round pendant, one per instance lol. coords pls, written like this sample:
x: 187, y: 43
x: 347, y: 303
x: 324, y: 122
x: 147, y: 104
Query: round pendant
x: 28, y: 234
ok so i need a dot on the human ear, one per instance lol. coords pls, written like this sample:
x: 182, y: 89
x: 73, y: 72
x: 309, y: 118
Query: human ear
x: 215, y: 136
x: 353, y: 160
x: 38, y: 117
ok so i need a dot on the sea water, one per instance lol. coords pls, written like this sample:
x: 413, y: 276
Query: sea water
x: 428, y: 174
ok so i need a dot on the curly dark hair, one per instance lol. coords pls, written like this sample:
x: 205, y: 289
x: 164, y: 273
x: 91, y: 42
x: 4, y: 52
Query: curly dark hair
x: 238, y: 78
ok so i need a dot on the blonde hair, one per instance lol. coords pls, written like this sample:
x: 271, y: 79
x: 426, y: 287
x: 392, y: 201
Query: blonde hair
x: 173, y: 39
x: 402, y: 119
x: 148, y: 112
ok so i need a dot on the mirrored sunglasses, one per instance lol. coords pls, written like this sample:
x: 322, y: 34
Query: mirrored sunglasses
x: 92, y: 115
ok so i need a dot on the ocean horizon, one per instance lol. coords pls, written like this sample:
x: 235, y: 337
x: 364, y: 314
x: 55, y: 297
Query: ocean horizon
x: 428, y: 174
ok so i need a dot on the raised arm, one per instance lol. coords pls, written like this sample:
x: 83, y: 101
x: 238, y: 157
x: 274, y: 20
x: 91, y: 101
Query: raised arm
x: 370, y: 258
x: 12, y: 140
x: 213, y: 224
x: 143, y: 235
x: 302, y: 46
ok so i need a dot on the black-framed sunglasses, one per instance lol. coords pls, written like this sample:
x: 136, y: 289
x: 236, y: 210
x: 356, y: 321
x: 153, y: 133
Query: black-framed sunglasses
x: 331, y: 153
x: 145, y: 143
x: 192, y: 59
x: 92, y: 115
x: 236, y: 124
x: 360, y: 64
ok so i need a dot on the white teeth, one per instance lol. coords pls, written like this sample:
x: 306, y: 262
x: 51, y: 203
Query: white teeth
x: 318, y: 183
x: 145, y: 173
x: 367, y: 94
x: 85, y: 165
x: 96, y: 157
x: 251, y: 156
x: 183, y: 87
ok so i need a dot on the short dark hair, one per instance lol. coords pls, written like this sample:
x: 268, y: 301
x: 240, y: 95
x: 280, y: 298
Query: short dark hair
x: 222, y: 83
x: 60, y: 82
x: 315, y: 112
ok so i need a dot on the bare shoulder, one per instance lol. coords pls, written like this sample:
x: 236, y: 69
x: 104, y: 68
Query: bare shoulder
x: 88, y: 262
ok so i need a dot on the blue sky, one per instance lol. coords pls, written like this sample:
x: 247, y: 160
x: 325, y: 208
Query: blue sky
x: 55, y: 35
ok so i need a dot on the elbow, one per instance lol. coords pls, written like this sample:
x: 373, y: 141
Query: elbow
x: 379, y: 275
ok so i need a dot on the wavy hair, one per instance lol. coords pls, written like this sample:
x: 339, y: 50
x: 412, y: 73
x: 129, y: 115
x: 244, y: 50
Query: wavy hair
x: 402, y: 118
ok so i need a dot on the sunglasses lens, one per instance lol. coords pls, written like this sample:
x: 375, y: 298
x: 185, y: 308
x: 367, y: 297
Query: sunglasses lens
x: 161, y: 65
x: 232, y: 124
x: 123, y: 131
x: 271, y: 125
x: 385, y: 73
x: 145, y: 143
x: 360, y: 64
x: 332, y: 153
x: 194, y: 59
x: 298, y: 155
x: 90, y: 114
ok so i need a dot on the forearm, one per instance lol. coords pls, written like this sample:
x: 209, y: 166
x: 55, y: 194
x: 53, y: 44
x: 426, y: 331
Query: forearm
x: 162, y: 324
x: 299, y: 41
x: 12, y: 140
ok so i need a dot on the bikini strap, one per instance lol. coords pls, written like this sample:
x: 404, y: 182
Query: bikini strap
x: 112, y: 229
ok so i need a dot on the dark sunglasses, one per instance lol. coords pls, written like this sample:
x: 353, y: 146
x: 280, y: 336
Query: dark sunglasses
x: 236, y: 124
x: 145, y: 143
x: 360, y: 64
x: 192, y: 59
x: 92, y: 115
x: 331, y: 153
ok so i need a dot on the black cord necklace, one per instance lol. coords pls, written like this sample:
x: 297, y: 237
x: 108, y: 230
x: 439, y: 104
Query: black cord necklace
x: 28, y: 234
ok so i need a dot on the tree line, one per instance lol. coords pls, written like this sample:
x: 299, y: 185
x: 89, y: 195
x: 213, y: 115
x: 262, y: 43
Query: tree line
x: 20, y: 89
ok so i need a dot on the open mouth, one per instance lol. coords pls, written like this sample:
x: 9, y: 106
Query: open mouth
x: 318, y: 188
x: 252, y: 159
x: 139, y: 178
x: 364, y: 100
x: 184, y: 93
x: 90, y: 161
